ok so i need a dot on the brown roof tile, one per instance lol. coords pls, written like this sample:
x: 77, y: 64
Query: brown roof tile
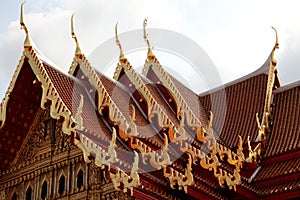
x: 241, y: 102
x: 123, y: 99
x: 154, y: 92
x: 276, y: 190
x: 69, y: 90
x: 285, y: 133
x: 193, y: 100
x: 278, y: 169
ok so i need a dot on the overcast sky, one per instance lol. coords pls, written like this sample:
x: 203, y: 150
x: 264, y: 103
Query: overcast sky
x: 235, y: 34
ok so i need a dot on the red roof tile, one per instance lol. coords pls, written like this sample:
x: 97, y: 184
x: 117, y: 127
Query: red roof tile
x: 193, y: 100
x: 285, y: 133
x: 69, y: 89
x: 278, y: 169
x: 239, y: 104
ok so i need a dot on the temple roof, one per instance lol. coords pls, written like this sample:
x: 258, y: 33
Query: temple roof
x: 151, y: 114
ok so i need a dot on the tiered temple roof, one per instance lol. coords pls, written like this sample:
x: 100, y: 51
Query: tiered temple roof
x: 153, y: 137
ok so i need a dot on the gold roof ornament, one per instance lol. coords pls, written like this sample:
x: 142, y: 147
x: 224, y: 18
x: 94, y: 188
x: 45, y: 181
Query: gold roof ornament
x: 27, y: 43
x: 264, y: 125
x: 276, y: 46
x: 150, y: 54
x: 120, y: 178
x: 78, y: 52
x: 118, y: 43
x: 180, y: 179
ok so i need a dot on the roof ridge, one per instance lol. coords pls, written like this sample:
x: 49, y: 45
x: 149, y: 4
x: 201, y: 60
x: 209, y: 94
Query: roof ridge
x: 262, y: 70
x: 287, y: 87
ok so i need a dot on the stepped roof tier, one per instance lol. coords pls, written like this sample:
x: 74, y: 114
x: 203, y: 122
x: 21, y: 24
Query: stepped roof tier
x: 153, y: 137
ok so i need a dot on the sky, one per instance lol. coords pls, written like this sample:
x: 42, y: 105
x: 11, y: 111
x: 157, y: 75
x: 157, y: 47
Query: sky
x: 236, y: 35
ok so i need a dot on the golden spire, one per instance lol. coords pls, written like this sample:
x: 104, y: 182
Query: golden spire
x: 264, y: 125
x: 118, y: 43
x: 27, y: 43
x: 78, y: 52
x: 276, y: 46
x: 150, y: 53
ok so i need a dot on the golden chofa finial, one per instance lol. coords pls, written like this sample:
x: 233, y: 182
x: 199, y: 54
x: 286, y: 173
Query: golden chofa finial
x: 78, y: 52
x: 150, y: 53
x: 27, y: 43
x: 118, y: 43
x: 276, y: 46
x: 276, y: 41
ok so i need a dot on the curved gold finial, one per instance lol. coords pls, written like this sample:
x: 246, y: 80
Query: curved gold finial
x: 276, y: 46
x: 78, y: 52
x: 27, y: 43
x: 118, y: 42
x: 150, y: 53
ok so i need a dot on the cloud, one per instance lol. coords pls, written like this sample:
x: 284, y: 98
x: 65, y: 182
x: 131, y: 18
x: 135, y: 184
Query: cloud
x: 237, y: 36
x: 94, y: 23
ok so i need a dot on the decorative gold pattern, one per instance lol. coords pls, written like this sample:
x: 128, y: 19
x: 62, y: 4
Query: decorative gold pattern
x: 126, y: 130
x: 116, y: 116
x: 253, y: 154
x: 204, y: 134
x: 177, y: 178
x: 58, y: 108
x: 128, y: 181
x: 164, y: 159
x: 182, y: 107
x: 211, y: 162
